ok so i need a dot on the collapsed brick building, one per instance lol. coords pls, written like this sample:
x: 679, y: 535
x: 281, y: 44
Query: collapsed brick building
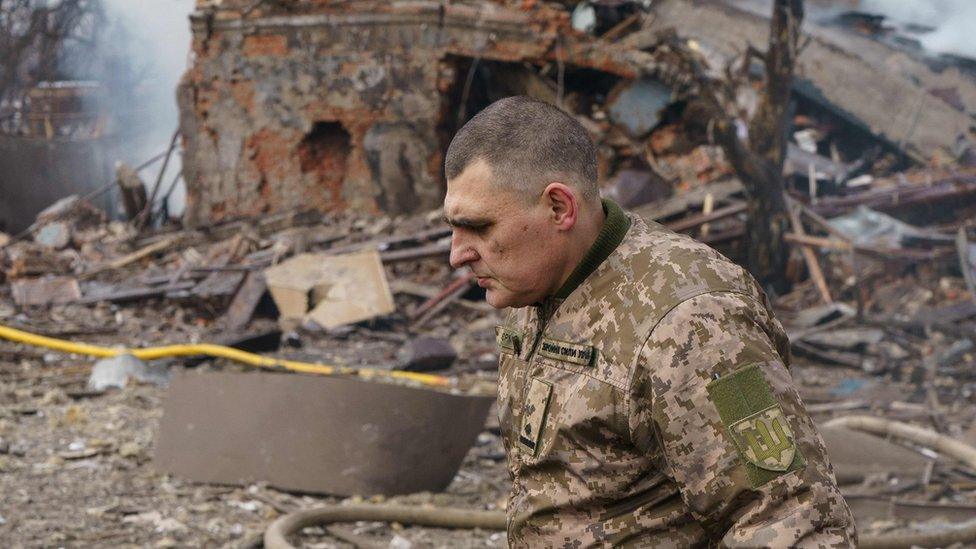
x: 334, y: 105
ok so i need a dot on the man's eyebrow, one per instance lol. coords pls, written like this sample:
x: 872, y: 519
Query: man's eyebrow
x: 468, y: 222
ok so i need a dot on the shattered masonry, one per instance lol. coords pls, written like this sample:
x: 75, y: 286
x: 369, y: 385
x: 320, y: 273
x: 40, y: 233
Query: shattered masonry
x: 334, y: 105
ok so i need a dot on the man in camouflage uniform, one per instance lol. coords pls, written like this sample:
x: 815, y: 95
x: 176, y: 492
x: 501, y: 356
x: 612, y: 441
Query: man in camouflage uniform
x: 644, y: 394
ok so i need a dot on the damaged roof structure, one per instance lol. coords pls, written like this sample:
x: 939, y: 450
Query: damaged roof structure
x: 924, y: 107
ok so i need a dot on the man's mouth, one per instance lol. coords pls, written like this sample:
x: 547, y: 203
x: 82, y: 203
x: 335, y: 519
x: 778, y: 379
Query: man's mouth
x: 483, y: 281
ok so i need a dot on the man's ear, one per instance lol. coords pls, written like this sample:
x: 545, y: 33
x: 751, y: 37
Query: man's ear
x: 563, y: 204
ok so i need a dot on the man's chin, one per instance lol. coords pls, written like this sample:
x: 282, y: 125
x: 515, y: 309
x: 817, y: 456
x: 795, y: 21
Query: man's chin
x: 503, y: 300
x: 496, y: 299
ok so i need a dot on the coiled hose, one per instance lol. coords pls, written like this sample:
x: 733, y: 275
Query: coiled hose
x: 276, y: 536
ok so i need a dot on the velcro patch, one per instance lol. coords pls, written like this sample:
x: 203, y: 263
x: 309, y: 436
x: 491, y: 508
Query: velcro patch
x: 534, y: 414
x: 508, y: 339
x: 756, y: 424
x: 566, y: 352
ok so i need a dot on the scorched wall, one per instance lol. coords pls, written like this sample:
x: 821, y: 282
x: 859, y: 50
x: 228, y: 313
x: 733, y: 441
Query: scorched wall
x: 333, y: 105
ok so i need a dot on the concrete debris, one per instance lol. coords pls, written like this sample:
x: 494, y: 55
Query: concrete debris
x: 426, y: 354
x: 820, y: 314
x: 636, y: 106
x: 130, y: 450
x: 155, y: 519
x: 867, y: 227
x: 74, y: 209
x: 846, y: 339
x: 400, y: 542
x: 633, y: 188
x: 45, y: 290
x: 117, y: 371
x: 55, y: 235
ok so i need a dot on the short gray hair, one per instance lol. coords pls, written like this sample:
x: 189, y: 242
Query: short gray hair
x: 527, y: 143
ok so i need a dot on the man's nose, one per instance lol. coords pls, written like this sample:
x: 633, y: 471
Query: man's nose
x: 461, y: 252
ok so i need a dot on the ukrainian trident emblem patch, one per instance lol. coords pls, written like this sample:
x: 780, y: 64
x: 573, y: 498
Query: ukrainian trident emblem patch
x: 765, y: 439
x: 756, y: 424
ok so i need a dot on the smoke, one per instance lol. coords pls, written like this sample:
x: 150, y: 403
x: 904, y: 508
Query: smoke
x: 953, y: 22
x: 145, y: 52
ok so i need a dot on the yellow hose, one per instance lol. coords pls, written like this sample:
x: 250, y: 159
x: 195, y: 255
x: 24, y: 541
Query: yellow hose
x: 217, y: 351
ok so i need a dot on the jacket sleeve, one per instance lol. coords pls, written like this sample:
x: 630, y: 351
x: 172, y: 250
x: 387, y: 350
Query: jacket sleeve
x: 713, y: 394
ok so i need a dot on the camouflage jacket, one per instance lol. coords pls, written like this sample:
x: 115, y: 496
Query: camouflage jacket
x: 649, y: 404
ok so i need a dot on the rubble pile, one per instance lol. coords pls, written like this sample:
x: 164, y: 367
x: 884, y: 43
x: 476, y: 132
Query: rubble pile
x: 881, y: 317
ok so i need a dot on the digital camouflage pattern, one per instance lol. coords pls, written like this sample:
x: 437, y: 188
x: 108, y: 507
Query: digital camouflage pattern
x: 653, y: 407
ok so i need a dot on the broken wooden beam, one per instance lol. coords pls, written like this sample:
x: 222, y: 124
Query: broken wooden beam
x: 813, y: 266
x: 460, y: 282
x: 131, y: 189
x: 419, y: 252
x: 246, y: 301
x: 120, y: 262
x: 128, y: 294
x: 451, y: 293
x: 901, y: 196
x: 966, y: 260
x: 700, y: 219
x: 909, y: 254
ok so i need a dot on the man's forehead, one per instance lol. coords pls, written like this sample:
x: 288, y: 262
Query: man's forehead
x: 472, y: 191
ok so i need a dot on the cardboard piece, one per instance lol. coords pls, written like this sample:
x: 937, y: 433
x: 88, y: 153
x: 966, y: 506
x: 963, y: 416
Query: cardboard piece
x: 318, y: 434
x: 331, y: 290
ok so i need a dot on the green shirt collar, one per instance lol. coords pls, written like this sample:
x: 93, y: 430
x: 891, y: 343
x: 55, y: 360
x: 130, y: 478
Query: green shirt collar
x: 614, y: 229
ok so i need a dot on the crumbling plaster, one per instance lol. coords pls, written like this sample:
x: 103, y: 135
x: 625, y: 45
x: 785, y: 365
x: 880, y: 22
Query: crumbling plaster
x: 376, y: 72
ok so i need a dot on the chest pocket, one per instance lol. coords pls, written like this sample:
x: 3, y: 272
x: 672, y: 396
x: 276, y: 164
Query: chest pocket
x: 553, y: 402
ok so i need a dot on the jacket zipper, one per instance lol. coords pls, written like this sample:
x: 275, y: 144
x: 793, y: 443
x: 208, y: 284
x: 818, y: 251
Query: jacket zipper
x: 545, y: 314
x: 545, y: 311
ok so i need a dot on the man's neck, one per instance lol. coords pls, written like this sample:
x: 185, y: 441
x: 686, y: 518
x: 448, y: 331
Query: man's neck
x: 589, y: 231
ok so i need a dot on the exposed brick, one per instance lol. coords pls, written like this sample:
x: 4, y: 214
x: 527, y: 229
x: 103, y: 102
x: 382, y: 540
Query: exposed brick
x: 265, y: 45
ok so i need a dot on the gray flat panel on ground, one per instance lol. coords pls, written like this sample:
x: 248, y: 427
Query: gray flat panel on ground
x: 312, y: 433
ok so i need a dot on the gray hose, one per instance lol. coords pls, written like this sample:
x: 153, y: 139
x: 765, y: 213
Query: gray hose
x: 276, y: 536
x: 963, y: 532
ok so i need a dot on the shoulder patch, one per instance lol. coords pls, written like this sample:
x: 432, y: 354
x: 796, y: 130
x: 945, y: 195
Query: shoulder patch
x: 566, y: 352
x: 756, y: 424
x: 508, y: 339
